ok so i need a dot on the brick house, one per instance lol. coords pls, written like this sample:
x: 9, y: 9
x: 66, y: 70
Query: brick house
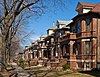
x: 75, y: 42
x: 83, y: 39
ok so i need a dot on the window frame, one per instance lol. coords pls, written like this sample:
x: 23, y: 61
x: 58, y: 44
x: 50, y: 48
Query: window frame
x: 87, y: 51
x: 78, y: 49
x: 79, y: 26
x: 62, y: 32
x: 87, y: 22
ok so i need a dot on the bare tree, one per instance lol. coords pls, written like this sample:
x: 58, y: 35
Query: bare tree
x: 13, y: 13
x: 10, y: 19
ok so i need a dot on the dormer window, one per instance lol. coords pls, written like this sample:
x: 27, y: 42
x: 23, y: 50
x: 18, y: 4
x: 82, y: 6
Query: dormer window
x: 88, y: 20
x: 78, y: 26
x: 84, y: 7
x: 85, y: 10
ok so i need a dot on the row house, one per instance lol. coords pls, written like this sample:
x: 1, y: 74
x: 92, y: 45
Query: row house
x: 75, y: 42
x: 31, y: 53
x: 82, y: 43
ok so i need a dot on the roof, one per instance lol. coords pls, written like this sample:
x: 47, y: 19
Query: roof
x: 49, y: 36
x: 52, y: 28
x: 96, y: 8
x: 64, y: 21
x: 87, y: 4
x: 84, y: 4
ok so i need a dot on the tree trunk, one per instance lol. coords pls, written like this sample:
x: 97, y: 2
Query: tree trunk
x: 9, y: 59
x: 4, y: 53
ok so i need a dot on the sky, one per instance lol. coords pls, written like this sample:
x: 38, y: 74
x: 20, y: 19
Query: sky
x: 40, y: 24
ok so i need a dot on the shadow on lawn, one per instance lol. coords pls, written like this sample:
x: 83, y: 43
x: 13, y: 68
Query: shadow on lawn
x: 94, y: 72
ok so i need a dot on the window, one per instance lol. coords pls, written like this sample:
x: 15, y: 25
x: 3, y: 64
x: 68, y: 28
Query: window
x: 73, y: 29
x: 78, y: 26
x: 56, y: 51
x: 74, y: 48
x: 45, y: 53
x: 56, y: 37
x: 49, y: 54
x: 87, y: 47
x: 87, y: 66
x: 62, y: 49
x: 62, y: 32
x: 67, y: 49
x: 79, y: 65
x: 48, y: 32
x: 33, y: 55
x: 78, y: 48
x: 52, y: 39
x: 88, y: 24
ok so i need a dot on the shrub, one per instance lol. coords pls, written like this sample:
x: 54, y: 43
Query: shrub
x: 21, y: 61
x: 66, y: 66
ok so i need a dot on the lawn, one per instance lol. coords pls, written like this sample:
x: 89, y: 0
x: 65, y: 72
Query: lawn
x: 45, y: 72
x: 61, y: 73
x: 76, y: 75
x: 56, y: 74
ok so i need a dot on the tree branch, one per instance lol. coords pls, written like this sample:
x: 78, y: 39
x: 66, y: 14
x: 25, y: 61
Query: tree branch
x: 5, y: 8
x: 28, y: 5
x: 13, y: 5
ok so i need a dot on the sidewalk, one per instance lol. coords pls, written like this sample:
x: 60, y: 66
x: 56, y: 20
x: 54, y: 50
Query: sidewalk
x: 19, y: 71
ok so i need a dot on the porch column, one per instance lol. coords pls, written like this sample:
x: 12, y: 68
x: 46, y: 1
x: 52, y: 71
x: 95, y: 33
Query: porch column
x: 59, y: 52
x: 72, y: 56
x: 64, y: 49
x: 52, y: 50
x: 83, y: 52
x: 56, y: 54
x: 93, y: 58
x: 42, y: 53
x: 31, y: 54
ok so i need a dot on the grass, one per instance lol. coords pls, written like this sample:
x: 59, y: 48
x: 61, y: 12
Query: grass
x: 61, y: 73
x: 54, y: 73
x: 76, y: 75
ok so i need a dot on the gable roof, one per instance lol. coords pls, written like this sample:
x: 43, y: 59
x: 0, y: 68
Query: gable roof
x: 96, y: 8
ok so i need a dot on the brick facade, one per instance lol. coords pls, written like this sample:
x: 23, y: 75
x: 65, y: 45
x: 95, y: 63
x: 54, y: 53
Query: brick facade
x: 74, y: 42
